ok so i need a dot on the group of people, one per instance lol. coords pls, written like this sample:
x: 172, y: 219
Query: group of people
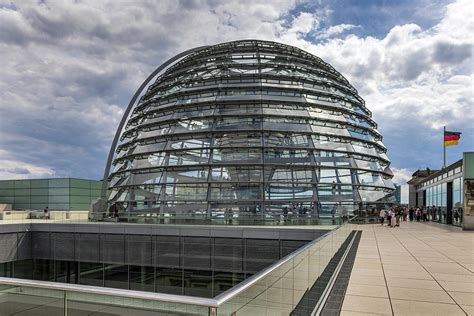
x: 394, y: 216
x: 418, y: 214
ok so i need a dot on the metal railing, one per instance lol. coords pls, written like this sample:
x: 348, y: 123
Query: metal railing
x: 275, y: 290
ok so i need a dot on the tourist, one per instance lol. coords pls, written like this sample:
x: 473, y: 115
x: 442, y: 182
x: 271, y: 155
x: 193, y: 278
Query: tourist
x: 389, y: 217
x: 405, y: 214
x: 418, y: 214
x: 425, y: 214
x: 344, y: 213
x: 411, y: 213
x: 46, y: 213
x: 398, y: 213
x: 456, y: 215
x: 382, y: 216
x: 392, y: 218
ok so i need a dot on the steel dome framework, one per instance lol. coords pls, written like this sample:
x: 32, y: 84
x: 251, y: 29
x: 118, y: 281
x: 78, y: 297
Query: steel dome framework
x: 248, y: 128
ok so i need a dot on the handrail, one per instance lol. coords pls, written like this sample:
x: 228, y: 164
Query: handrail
x: 79, y: 288
x: 239, y: 288
x: 182, y: 299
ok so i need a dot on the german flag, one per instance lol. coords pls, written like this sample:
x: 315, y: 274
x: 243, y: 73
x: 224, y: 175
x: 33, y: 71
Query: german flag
x: 451, y: 138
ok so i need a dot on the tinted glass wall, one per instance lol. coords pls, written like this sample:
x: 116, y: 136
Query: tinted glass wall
x: 250, y: 128
x: 57, y: 194
x: 188, y: 265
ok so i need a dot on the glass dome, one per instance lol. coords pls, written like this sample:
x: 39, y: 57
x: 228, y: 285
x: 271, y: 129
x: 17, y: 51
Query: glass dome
x: 249, y: 129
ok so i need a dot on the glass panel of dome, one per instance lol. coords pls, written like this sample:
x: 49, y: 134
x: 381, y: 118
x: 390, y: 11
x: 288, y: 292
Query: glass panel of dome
x: 157, y: 146
x: 285, y: 110
x: 286, y: 124
x: 189, y: 143
x: 286, y: 140
x: 287, y: 191
x: 230, y: 109
x: 237, y: 140
x: 242, y: 155
x: 147, y: 178
x: 181, y: 207
x: 195, y: 176
x: 156, y: 159
x: 238, y: 123
x: 186, y: 192
x: 288, y: 175
x: 240, y: 191
x: 190, y: 112
x: 188, y: 157
x: 237, y: 174
x: 287, y: 156
x: 154, y: 132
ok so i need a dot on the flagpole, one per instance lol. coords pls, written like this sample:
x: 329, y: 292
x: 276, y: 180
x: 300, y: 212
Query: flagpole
x: 444, y: 148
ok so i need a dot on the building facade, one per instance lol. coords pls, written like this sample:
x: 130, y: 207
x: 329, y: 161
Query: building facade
x: 59, y: 194
x: 249, y: 129
x: 445, y: 192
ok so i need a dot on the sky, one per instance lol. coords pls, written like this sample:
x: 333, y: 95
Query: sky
x: 69, y: 68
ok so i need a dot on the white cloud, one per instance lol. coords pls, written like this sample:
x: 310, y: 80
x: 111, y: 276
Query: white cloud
x: 401, y: 176
x: 13, y: 169
x: 69, y: 68
x: 335, y: 30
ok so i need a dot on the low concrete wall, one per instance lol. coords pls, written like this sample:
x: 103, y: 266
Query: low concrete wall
x: 14, y: 215
x: 77, y: 215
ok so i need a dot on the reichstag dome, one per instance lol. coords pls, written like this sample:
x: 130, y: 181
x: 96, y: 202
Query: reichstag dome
x: 248, y: 130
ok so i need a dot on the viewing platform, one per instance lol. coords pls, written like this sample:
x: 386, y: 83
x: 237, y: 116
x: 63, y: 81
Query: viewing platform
x: 414, y: 269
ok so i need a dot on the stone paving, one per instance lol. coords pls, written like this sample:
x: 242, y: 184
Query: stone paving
x: 414, y: 269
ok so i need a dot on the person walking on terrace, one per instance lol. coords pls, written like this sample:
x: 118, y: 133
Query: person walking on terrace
x: 418, y: 214
x: 382, y: 216
x: 398, y: 214
x: 393, y: 220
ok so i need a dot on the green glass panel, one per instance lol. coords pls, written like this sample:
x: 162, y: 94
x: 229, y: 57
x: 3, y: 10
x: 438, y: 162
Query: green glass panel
x: 22, y: 184
x: 38, y: 206
x: 22, y: 192
x: 39, y: 183
x: 59, y: 199
x: 59, y: 191
x: 42, y: 191
x: 79, y: 207
x: 18, y: 206
x: 80, y: 199
x: 59, y: 206
x: 96, y: 185
x: 79, y: 183
x: 80, y: 191
x: 7, y: 192
x: 7, y: 199
x: 43, y: 199
x: 22, y: 199
x: 58, y: 183
x: 7, y: 184
x: 95, y: 193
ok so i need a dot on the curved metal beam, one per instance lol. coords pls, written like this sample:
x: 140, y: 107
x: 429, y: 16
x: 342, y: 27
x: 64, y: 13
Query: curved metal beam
x: 129, y: 108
